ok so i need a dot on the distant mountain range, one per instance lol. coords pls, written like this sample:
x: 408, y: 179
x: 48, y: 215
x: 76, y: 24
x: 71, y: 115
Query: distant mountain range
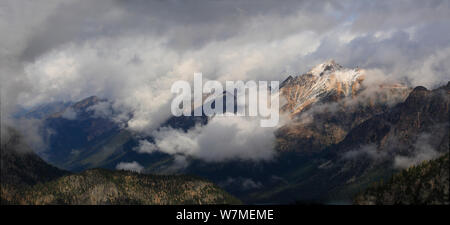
x: 344, y: 133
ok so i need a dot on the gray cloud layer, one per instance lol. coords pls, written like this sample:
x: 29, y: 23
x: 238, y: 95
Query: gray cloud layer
x: 130, y: 52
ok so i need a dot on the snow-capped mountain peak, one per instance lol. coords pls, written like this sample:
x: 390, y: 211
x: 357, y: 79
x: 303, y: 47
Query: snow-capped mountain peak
x: 327, y: 67
x: 324, y: 81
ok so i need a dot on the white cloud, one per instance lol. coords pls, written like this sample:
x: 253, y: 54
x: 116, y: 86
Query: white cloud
x: 369, y: 151
x: 422, y: 151
x: 130, y: 166
x: 223, y: 138
x: 243, y: 182
x: 102, y: 109
x: 69, y: 114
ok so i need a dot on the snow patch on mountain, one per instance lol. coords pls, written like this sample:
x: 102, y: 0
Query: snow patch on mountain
x: 326, y: 80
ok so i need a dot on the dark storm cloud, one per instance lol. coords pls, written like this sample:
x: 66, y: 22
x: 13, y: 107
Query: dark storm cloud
x: 70, y: 22
x: 185, y: 24
x: 192, y: 24
x: 381, y: 15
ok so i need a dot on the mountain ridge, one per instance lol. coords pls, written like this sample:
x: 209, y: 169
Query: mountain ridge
x: 27, y: 180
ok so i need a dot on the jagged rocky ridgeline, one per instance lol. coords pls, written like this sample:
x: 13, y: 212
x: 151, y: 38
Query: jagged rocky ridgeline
x: 328, y: 82
x: 327, y: 102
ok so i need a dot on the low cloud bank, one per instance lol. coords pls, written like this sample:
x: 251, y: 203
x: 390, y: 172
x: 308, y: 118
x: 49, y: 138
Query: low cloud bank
x: 423, y: 151
x: 130, y: 166
x: 223, y: 138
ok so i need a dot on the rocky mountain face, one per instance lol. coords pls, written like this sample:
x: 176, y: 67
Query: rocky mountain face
x: 326, y: 81
x: 410, y: 132
x: 329, y: 101
x: 424, y: 112
x: 426, y: 183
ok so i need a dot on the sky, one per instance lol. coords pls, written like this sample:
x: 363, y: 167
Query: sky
x: 130, y: 52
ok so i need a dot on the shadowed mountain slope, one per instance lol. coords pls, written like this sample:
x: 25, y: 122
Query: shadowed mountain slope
x: 27, y: 179
x: 426, y: 183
